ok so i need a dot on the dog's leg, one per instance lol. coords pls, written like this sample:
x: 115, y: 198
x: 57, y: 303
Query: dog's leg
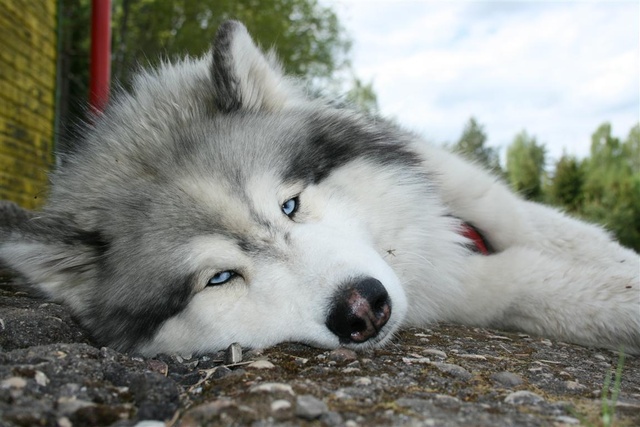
x: 587, y: 303
x: 552, y: 275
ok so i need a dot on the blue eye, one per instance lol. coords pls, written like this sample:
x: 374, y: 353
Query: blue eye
x: 221, y: 278
x: 290, y: 207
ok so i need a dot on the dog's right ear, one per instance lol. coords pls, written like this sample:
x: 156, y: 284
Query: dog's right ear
x: 244, y: 78
x: 51, y: 252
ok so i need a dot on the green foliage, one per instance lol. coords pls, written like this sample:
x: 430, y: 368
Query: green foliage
x: 73, y: 71
x: 472, y: 145
x: 567, y: 184
x: 307, y: 36
x: 525, y: 166
x: 605, y: 187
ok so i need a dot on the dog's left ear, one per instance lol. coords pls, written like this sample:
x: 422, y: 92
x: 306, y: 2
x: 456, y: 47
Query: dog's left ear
x: 244, y: 78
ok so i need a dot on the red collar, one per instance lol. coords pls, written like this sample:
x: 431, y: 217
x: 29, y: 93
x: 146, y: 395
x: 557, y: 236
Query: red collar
x: 479, y: 243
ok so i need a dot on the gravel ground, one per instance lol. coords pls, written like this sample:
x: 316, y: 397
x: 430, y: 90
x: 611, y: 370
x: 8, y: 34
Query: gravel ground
x: 52, y: 374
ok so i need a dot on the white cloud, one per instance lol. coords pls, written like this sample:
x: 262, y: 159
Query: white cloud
x: 557, y: 69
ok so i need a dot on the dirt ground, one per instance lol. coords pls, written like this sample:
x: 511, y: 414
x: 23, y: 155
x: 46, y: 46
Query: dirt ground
x: 52, y: 374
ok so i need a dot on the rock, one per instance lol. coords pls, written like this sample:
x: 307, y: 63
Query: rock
x: 507, y: 379
x: 41, y: 378
x: 455, y: 370
x: 362, y: 381
x: 574, y: 386
x: 150, y: 424
x: 343, y: 355
x: 13, y: 382
x: 331, y: 419
x: 280, y: 405
x: 523, y: 397
x: 233, y: 354
x: 221, y: 372
x: 434, y: 352
x: 310, y: 407
x: 421, y: 360
x: 158, y: 366
x: 472, y: 356
x: 272, y: 388
x: 260, y: 364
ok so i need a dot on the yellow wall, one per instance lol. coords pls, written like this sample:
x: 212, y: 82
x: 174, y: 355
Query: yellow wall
x: 28, y: 52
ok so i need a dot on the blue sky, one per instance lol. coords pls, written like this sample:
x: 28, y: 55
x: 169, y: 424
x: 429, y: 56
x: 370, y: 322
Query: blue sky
x: 557, y: 69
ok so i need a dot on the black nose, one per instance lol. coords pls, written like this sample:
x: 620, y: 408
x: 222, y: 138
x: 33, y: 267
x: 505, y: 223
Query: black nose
x: 359, y: 310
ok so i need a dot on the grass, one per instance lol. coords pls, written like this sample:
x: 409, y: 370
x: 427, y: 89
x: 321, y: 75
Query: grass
x: 609, y: 404
x: 609, y: 397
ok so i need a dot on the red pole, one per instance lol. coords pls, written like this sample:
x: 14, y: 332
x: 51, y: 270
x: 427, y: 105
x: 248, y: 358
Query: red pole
x: 100, y: 54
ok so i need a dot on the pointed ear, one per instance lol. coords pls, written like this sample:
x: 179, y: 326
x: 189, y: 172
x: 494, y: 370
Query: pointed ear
x: 49, y: 251
x: 246, y: 79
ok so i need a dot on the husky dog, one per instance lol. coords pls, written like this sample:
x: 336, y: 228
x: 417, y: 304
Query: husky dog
x: 217, y: 203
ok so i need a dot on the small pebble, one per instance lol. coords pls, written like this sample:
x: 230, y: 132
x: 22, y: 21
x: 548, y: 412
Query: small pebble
x: 158, y: 366
x: 280, y: 405
x: 221, y: 372
x: 455, y: 370
x: 343, y: 355
x: 419, y: 360
x: 310, y: 407
x: 41, y: 378
x: 13, y: 382
x: 331, y: 418
x: 261, y: 364
x: 523, y: 397
x: 363, y: 381
x: 434, y: 352
x: 574, y: 386
x: 507, y: 379
x: 472, y: 356
x: 150, y: 423
x: 272, y: 388
x: 447, y: 401
x: 233, y: 354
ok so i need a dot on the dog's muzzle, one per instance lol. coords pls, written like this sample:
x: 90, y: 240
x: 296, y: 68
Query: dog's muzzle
x: 359, y: 310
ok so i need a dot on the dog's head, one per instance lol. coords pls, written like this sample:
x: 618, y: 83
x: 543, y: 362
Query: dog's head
x: 217, y: 204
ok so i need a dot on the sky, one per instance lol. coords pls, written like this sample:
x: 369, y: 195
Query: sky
x: 557, y: 69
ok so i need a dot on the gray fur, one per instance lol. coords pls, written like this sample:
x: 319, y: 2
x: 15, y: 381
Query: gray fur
x: 169, y: 174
